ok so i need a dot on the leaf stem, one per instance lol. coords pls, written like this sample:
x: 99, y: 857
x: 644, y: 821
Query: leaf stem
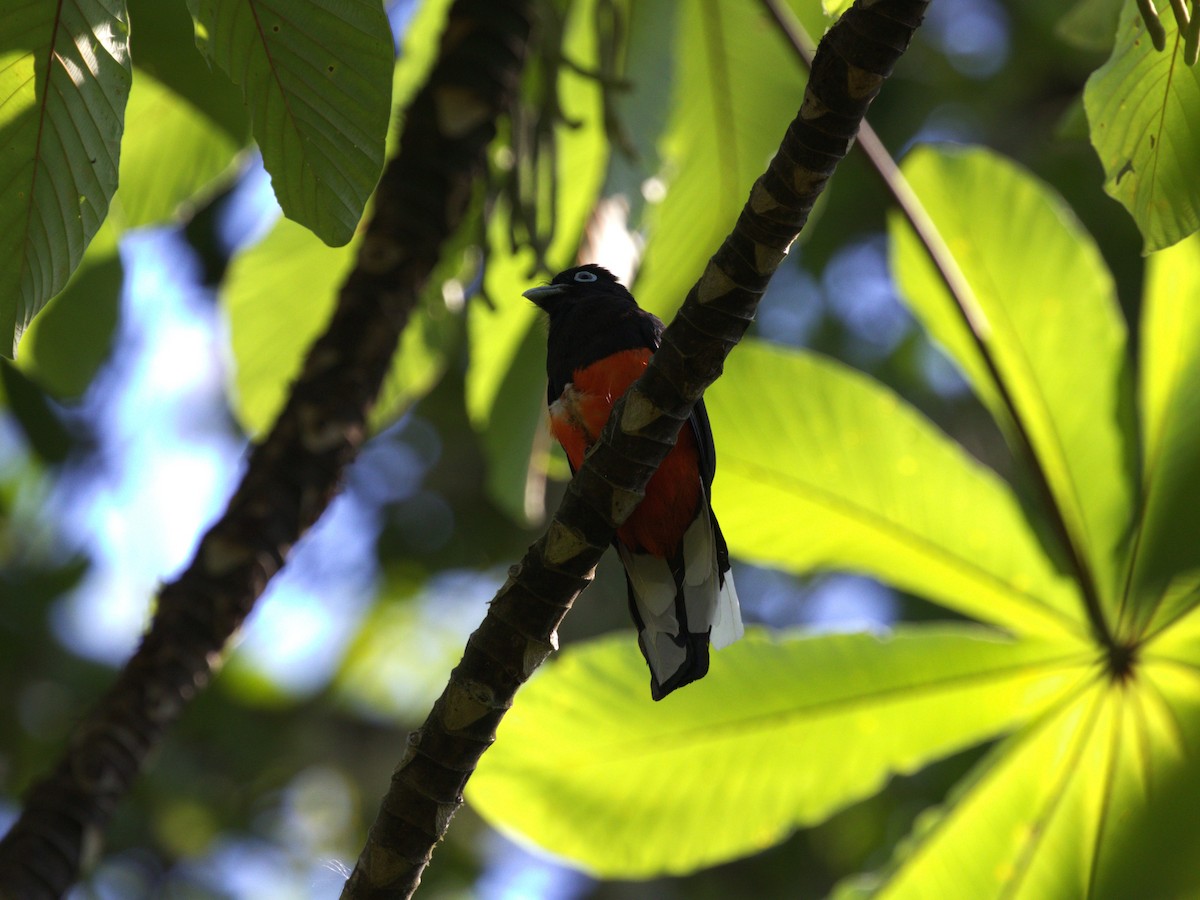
x: 977, y: 324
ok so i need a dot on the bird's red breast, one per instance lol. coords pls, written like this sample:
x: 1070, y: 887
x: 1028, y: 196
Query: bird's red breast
x: 673, y: 494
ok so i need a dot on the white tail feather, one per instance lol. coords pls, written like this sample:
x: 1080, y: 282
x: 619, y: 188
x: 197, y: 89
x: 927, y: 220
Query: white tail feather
x: 727, y: 621
x: 710, y: 604
x: 677, y: 655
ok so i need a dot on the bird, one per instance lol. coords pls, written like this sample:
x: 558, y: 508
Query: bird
x: 681, y: 592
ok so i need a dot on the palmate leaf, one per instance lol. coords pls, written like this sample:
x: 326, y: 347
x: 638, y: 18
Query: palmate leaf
x: 64, y: 80
x: 1080, y: 802
x: 820, y: 467
x: 316, y: 78
x: 1048, y: 316
x: 1166, y: 552
x: 1143, y: 107
x: 781, y: 733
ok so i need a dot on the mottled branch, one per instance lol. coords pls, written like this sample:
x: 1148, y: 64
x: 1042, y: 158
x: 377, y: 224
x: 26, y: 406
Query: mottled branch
x: 293, y: 474
x: 518, y: 633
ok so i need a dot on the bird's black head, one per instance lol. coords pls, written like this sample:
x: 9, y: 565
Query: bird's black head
x: 591, y: 316
x: 580, y: 283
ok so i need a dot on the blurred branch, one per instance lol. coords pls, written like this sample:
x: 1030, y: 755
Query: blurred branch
x: 974, y: 318
x: 519, y: 631
x: 294, y: 473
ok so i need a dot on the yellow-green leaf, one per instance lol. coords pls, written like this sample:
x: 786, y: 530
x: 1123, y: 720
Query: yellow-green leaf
x: 278, y: 297
x: 1046, y: 311
x: 820, y: 467
x: 1084, y: 801
x: 72, y: 338
x: 737, y: 85
x: 1166, y: 552
x: 157, y: 183
x: 781, y: 733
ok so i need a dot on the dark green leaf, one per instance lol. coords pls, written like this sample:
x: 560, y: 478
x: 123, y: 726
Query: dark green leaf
x: 1143, y: 107
x: 68, y: 74
x: 316, y: 78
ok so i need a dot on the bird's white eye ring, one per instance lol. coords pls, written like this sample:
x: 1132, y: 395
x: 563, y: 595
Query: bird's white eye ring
x: 585, y: 276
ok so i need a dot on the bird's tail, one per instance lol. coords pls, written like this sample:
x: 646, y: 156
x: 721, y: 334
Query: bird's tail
x: 683, y: 604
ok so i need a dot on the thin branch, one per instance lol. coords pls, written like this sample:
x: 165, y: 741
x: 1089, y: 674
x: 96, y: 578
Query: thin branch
x: 973, y: 317
x: 519, y: 630
x: 294, y: 473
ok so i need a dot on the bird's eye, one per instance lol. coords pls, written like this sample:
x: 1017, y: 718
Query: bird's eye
x: 585, y: 276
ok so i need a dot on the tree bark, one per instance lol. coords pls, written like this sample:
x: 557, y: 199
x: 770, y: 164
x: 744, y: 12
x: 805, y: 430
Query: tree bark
x: 519, y: 631
x: 293, y: 474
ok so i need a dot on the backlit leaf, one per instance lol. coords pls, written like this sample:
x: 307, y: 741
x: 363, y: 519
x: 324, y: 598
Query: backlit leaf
x: 782, y: 733
x: 67, y: 344
x: 827, y: 469
x: 1052, y: 811
x: 156, y: 185
x: 279, y: 295
x: 737, y: 85
x: 1047, y: 313
x: 1166, y: 566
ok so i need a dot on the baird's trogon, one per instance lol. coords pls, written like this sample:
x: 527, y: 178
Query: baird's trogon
x: 681, y: 592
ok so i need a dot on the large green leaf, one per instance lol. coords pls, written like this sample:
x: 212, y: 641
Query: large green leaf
x: 781, y: 733
x: 280, y: 293
x: 820, y: 467
x: 1046, y: 311
x: 64, y: 80
x: 737, y: 85
x: 1048, y: 813
x: 157, y: 185
x: 506, y: 381
x: 316, y: 78
x: 1166, y: 560
x: 1142, y: 107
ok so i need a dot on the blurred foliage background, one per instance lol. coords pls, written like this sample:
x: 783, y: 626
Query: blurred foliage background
x: 127, y: 416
